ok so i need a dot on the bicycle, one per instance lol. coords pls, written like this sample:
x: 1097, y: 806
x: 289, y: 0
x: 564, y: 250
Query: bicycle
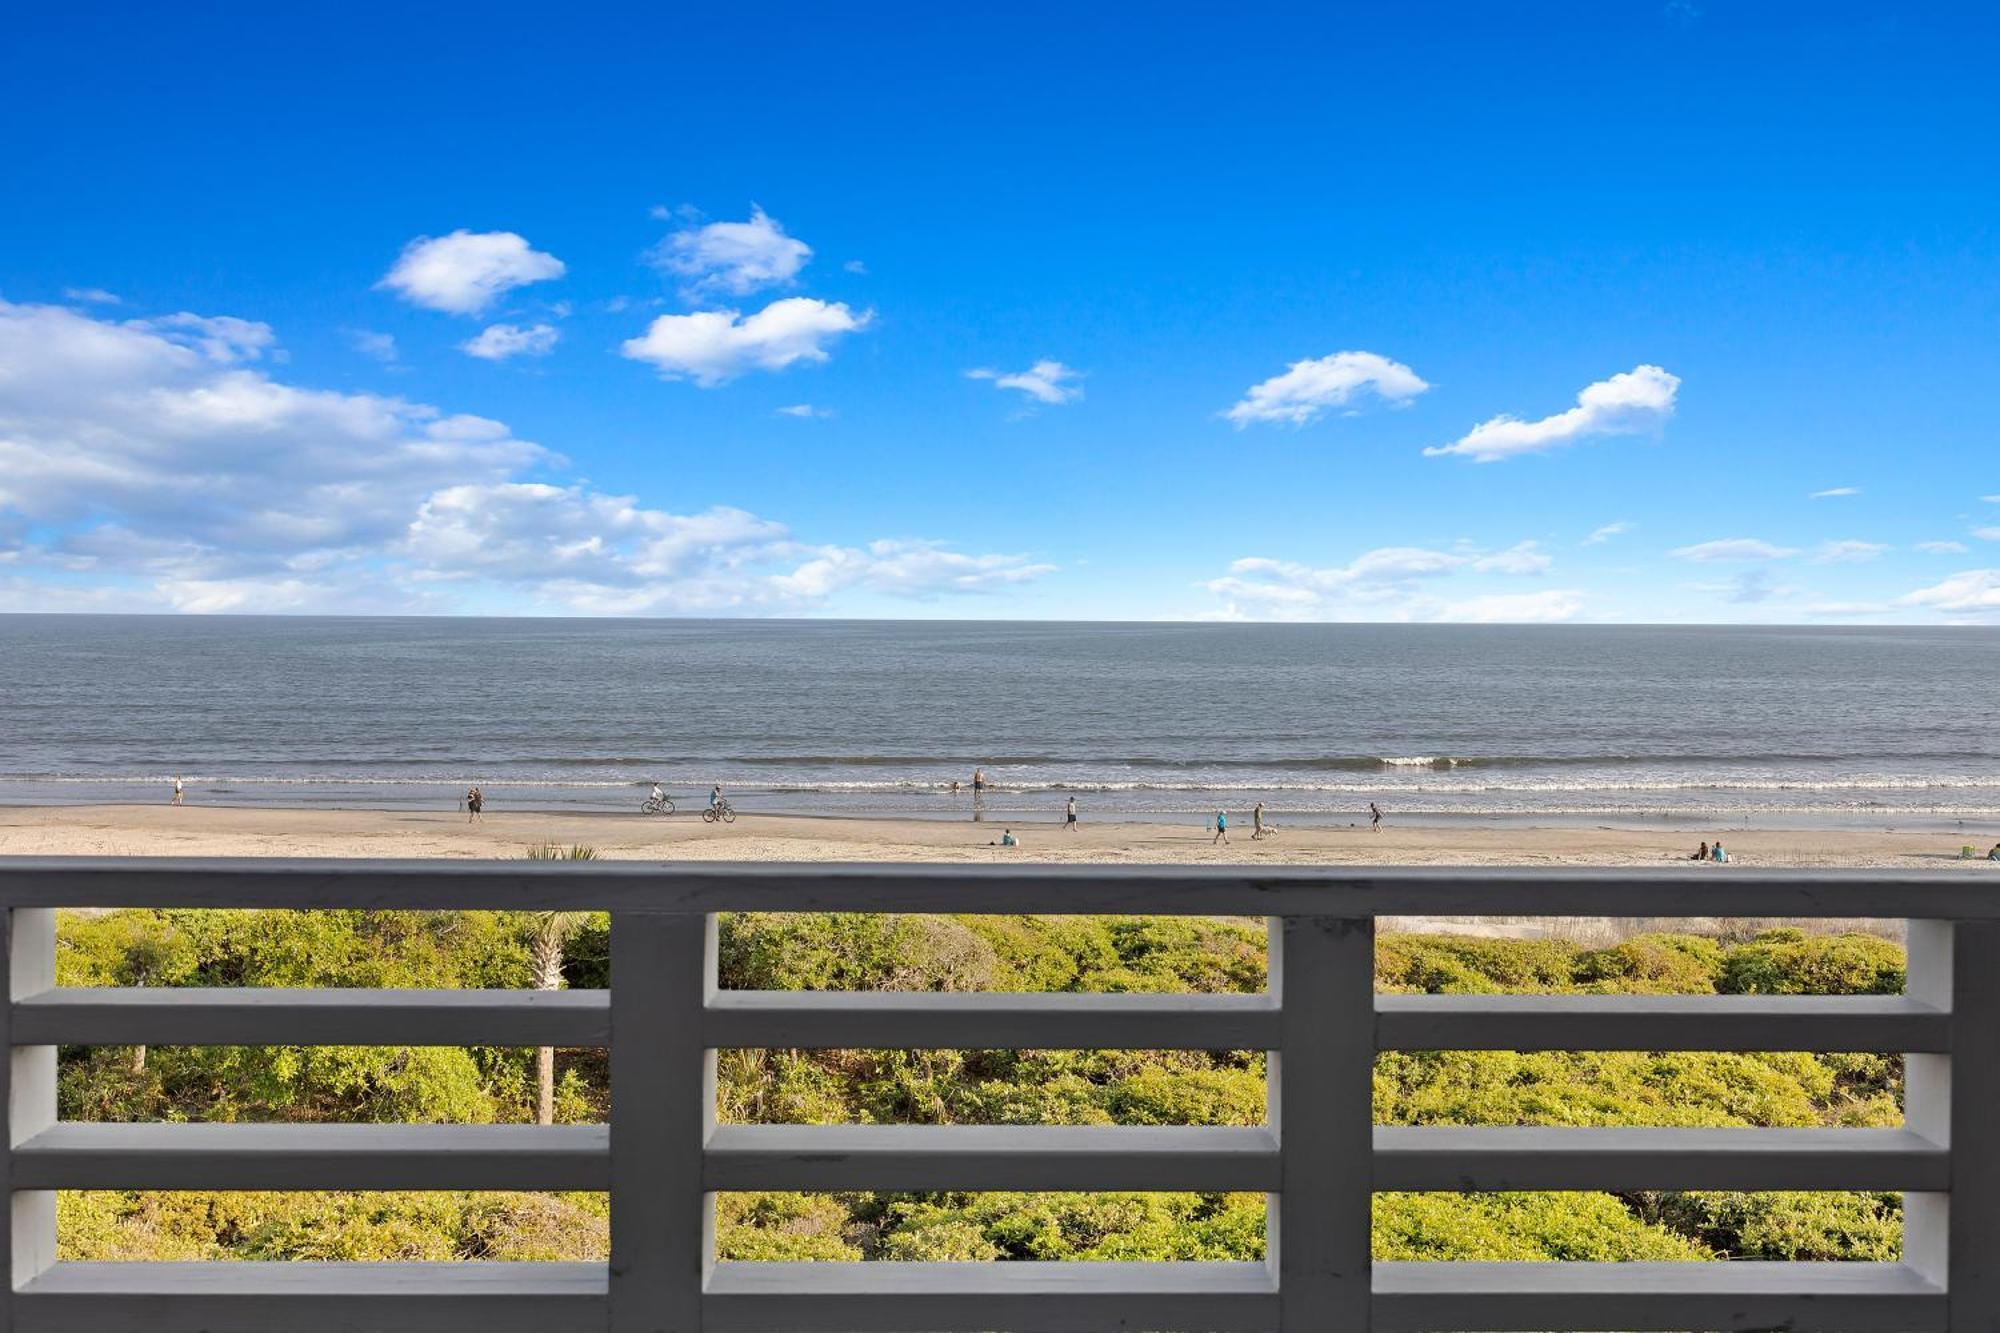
x: 719, y: 811
x: 662, y: 806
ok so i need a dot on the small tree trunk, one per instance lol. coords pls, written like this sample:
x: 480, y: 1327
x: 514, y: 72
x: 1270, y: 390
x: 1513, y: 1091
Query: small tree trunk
x: 138, y: 1059
x: 546, y: 955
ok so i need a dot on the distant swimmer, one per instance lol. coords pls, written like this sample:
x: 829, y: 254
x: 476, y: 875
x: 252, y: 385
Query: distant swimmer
x: 475, y: 801
x: 954, y: 786
x: 1221, y: 828
x: 978, y: 781
x: 179, y: 793
x: 1069, y: 815
x: 1374, y: 817
x: 1257, y: 829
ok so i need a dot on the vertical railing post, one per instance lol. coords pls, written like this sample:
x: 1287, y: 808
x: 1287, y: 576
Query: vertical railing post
x: 1320, y: 1084
x: 1951, y: 1099
x: 663, y: 969
x: 30, y: 960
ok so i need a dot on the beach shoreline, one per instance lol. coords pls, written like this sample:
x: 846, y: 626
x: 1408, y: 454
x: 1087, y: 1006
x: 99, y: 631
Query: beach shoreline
x: 236, y: 831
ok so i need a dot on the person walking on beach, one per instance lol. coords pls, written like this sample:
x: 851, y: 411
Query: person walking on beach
x: 474, y: 799
x: 1374, y: 817
x: 1257, y: 821
x: 1221, y: 828
x: 1069, y: 815
x: 179, y: 793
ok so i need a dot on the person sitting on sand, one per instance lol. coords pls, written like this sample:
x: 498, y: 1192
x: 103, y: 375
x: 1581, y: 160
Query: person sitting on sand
x: 1007, y: 838
x: 1701, y: 853
x: 1994, y: 855
x: 1717, y: 854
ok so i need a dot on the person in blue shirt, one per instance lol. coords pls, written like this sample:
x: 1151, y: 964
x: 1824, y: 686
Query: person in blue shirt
x: 1007, y: 838
x: 1717, y: 854
x: 1221, y: 828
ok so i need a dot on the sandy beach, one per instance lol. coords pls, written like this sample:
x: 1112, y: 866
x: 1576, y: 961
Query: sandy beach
x: 161, y: 830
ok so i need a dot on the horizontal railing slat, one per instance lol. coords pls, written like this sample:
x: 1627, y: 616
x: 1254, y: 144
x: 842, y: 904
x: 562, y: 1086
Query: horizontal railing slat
x: 1659, y: 1023
x: 80, y: 1156
x: 313, y: 1298
x: 217, y: 1016
x: 915, y: 1020
x: 1055, y: 890
x: 1654, y: 1297
x: 1622, y: 1158
x: 995, y: 1157
x: 1020, y: 1297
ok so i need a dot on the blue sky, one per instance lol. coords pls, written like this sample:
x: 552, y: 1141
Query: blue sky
x: 1094, y: 312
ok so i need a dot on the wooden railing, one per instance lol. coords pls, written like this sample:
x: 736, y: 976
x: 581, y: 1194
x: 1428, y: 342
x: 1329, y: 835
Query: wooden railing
x: 1318, y: 1157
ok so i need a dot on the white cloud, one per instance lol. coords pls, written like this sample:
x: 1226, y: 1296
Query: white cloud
x: 221, y: 338
x: 497, y: 342
x: 1636, y: 400
x: 155, y: 471
x: 1987, y: 534
x: 1389, y: 583
x: 1733, y: 548
x: 734, y: 258
x: 375, y: 346
x: 1834, y: 493
x: 1045, y: 381
x: 94, y: 295
x: 1598, y: 536
x: 805, y: 412
x: 1848, y: 552
x: 1556, y: 604
x: 1991, y: 499
x: 1309, y: 388
x: 467, y: 271
x: 1974, y: 590
x: 712, y: 347
x: 1521, y: 558
x: 856, y: 266
x: 1943, y: 548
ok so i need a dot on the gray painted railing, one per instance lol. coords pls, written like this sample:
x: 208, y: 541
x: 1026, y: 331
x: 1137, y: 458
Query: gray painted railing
x: 662, y: 1157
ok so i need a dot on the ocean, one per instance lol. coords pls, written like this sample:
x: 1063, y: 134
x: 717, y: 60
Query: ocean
x: 1627, y: 725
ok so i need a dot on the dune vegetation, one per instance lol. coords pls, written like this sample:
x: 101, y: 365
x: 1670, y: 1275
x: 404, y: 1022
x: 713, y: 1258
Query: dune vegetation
x: 486, y: 1085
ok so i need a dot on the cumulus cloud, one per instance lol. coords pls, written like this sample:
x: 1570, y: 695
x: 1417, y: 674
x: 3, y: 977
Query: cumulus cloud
x: 1987, y: 534
x: 497, y: 342
x: 1733, y: 548
x: 1636, y: 400
x: 146, y: 467
x: 1308, y: 389
x: 466, y: 272
x: 1390, y: 583
x: 1834, y: 493
x: 1046, y: 381
x: 733, y: 258
x: 1974, y: 590
x: 1848, y: 552
x: 1599, y: 536
x: 712, y: 347
x: 1943, y: 548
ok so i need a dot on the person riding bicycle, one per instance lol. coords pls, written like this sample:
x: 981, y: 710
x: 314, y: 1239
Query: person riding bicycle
x: 715, y: 801
x: 657, y: 795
